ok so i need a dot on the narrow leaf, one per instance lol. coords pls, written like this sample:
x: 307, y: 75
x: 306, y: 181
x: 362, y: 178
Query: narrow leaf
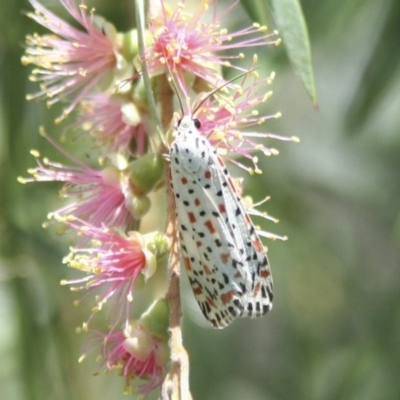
x: 292, y: 27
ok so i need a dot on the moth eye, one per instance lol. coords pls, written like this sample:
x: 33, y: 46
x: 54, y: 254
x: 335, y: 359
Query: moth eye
x: 197, y: 123
x: 179, y: 121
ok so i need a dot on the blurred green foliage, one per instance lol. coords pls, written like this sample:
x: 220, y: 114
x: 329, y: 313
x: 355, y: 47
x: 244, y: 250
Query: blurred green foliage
x: 335, y: 328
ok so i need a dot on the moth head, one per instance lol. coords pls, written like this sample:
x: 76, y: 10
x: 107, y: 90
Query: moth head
x: 187, y: 123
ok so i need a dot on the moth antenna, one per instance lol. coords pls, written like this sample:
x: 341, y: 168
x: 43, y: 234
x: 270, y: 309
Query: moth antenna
x: 124, y: 82
x: 170, y: 78
x: 221, y: 87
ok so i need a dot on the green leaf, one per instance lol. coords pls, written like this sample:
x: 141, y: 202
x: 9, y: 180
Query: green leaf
x: 379, y: 74
x: 291, y: 24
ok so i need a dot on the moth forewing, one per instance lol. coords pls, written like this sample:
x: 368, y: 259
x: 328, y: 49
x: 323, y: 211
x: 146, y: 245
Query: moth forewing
x: 224, y: 258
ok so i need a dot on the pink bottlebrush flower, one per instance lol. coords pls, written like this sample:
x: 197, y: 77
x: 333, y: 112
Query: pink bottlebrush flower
x: 228, y: 121
x: 119, y: 355
x: 113, y: 262
x: 71, y: 61
x: 139, y: 352
x: 101, y: 197
x: 183, y: 43
x: 113, y: 120
x: 137, y: 356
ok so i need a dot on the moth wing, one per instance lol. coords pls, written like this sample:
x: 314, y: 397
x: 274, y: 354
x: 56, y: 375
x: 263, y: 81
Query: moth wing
x: 254, y: 268
x: 208, y: 249
x: 224, y: 257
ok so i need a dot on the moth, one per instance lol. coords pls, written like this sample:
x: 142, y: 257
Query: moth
x: 225, y: 260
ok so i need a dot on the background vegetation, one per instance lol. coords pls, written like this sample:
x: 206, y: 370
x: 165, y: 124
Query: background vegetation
x: 335, y: 328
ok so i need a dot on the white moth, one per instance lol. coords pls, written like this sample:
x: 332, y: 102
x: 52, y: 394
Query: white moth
x: 226, y: 263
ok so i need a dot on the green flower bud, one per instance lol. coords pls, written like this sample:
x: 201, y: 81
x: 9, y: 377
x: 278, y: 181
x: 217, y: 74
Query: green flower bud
x: 128, y: 42
x: 156, y: 319
x: 137, y: 206
x: 145, y: 173
x: 157, y: 243
x: 139, y: 91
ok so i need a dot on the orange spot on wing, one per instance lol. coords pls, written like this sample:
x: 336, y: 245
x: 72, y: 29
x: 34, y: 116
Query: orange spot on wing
x: 211, y: 302
x: 256, y: 289
x: 258, y: 245
x: 227, y: 297
x: 196, y: 202
x: 210, y: 226
x: 188, y: 263
x: 221, y: 208
x: 184, y: 181
x: 224, y: 257
x: 207, y: 270
x: 207, y: 174
x: 192, y: 218
x: 199, y: 244
x: 198, y: 290
x: 265, y: 273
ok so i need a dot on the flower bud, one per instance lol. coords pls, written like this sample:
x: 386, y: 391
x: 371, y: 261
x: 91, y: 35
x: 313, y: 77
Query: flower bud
x: 157, y: 243
x: 145, y: 173
x: 137, y: 206
x: 156, y: 319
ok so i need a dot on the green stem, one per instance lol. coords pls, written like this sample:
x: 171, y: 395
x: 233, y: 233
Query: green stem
x: 140, y: 23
